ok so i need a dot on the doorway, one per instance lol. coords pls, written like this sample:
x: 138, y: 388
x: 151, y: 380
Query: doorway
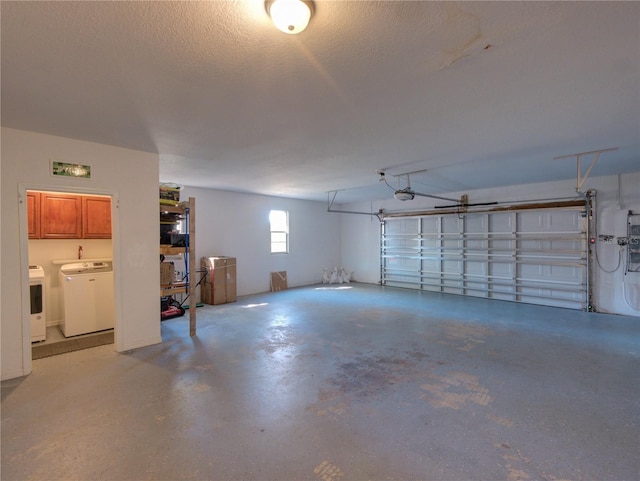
x: 70, y: 228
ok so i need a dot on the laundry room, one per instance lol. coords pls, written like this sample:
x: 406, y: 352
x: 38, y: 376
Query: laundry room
x: 70, y: 265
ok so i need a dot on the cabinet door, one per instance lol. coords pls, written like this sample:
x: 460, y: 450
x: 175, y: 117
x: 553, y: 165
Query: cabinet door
x: 96, y: 217
x: 33, y: 214
x: 61, y: 216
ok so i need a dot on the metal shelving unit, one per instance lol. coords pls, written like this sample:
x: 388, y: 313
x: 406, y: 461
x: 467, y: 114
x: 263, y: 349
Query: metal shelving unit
x: 188, y: 284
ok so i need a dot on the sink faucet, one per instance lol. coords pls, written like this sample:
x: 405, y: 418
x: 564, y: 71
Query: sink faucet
x: 79, y: 252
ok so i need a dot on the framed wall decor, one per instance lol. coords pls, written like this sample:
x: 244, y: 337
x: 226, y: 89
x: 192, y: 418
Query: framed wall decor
x: 64, y: 169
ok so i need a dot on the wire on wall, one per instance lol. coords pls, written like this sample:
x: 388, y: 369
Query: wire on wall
x: 624, y: 294
x: 617, y: 265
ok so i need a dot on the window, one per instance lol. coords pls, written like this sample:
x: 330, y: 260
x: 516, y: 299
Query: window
x: 279, y: 221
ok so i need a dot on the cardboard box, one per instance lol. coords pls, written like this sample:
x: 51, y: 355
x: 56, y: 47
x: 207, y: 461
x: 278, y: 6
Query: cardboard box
x: 219, y: 284
x: 167, y: 273
x: 278, y: 281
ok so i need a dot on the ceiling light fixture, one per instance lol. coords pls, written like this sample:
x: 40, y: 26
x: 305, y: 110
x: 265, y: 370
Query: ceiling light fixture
x: 290, y: 16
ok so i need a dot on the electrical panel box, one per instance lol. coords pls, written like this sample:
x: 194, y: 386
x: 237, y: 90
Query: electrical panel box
x: 633, y: 246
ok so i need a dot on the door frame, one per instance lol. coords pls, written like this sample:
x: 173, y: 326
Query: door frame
x: 24, y: 260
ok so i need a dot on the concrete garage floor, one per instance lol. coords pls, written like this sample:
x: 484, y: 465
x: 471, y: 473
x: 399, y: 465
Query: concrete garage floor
x: 350, y: 382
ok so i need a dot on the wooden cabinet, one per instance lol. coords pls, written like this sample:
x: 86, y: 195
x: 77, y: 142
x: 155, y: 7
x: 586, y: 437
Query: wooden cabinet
x: 60, y: 216
x: 33, y: 214
x: 96, y: 217
x: 53, y: 215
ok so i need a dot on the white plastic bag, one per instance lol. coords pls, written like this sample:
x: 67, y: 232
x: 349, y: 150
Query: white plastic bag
x: 326, y: 277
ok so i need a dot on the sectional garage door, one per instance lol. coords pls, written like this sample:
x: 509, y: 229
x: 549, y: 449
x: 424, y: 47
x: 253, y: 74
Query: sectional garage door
x: 535, y: 256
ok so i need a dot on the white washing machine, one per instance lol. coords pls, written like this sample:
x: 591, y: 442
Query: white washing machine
x: 87, y: 291
x: 38, y: 305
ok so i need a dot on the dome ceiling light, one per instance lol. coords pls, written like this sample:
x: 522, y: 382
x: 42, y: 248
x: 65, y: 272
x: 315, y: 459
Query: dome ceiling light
x: 290, y: 16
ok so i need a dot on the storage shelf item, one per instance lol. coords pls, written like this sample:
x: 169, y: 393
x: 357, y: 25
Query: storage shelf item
x: 172, y: 289
x: 169, y: 194
x: 219, y: 286
x: 169, y: 250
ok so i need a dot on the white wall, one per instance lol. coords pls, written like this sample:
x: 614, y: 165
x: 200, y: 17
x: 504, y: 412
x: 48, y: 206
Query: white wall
x: 131, y: 178
x: 237, y: 225
x: 616, y: 292
x: 613, y: 292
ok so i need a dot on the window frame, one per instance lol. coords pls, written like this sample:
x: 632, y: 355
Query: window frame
x: 278, y: 232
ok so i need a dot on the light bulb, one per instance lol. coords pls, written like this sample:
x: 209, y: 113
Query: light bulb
x: 290, y: 16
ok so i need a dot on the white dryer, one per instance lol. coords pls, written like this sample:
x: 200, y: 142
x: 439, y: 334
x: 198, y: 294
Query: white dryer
x: 87, y: 291
x: 38, y: 304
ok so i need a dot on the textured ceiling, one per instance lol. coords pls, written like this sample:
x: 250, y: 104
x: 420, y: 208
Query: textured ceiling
x: 481, y: 94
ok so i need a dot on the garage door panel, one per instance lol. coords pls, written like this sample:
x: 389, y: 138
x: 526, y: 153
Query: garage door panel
x: 407, y: 264
x: 431, y: 265
x: 502, y: 270
x: 451, y: 224
x: 431, y: 243
x: 475, y: 224
x: 500, y: 221
x: 430, y: 223
x: 501, y: 245
x: 565, y: 221
x: 550, y: 221
x: 402, y: 226
x: 535, y: 272
x: 475, y: 268
x: 572, y: 275
x: 451, y: 267
x: 536, y: 256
